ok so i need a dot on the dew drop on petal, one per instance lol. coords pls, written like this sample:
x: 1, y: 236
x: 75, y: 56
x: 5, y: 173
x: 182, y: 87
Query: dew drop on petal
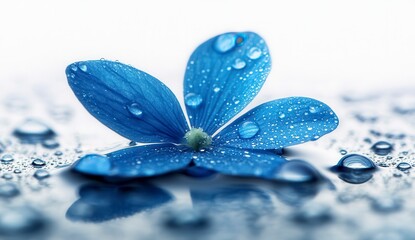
x: 83, y: 67
x: 193, y: 100
x: 312, y: 109
x: 238, y: 64
x: 254, y: 53
x: 135, y: 110
x: 216, y: 89
x: 74, y: 68
x: 225, y: 42
x: 382, y: 148
x: 248, y: 129
x: 282, y: 115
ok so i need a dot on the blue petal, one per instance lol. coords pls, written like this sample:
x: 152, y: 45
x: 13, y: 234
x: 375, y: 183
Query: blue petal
x: 129, y: 101
x: 239, y: 162
x: 279, y: 123
x: 223, y: 75
x: 141, y: 161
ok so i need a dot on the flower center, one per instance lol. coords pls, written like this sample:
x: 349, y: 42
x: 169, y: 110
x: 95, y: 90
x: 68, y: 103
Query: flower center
x: 196, y: 138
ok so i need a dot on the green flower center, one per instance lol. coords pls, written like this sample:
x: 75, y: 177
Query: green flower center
x: 197, y: 139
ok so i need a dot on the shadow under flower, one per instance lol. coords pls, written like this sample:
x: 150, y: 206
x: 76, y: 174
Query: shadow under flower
x: 103, y: 202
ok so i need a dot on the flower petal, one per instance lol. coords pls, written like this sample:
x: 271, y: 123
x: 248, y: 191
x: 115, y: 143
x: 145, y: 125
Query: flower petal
x: 223, y: 75
x: 279, y: 123
x: 141, y: 161
x: 129, y: 101
x: 239, y: 162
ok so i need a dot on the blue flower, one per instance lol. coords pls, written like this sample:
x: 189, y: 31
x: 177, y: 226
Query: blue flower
x: 222, y: 76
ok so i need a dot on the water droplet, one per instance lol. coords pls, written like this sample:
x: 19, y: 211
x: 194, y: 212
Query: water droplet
x: 216, y: 89
x: 382, y: 148
x: 7, y: 176
x: 254, y: 53
x: 93, y: 164
x: 74, y: 68
x: 38, y: 163
x: 238, y: 64
x: 50, y: 143
x: 193, y: 100
x: 356, y: 162
x: 41, y: 174
x: 8, y: 190
x: 312, y: 109
x: 83, y: 67
x: 33, y: 131
x: 403, y: 166
x: 282, y: 115
x: 7, y: 158
x: 20, y: 220
x: 135, y: 110
x: 297, y: 171
x: 225, y: 42
x: 343, y: 152
x: 248, y: 129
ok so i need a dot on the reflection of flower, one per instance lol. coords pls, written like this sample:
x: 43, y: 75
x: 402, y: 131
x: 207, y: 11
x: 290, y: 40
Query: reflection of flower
x: 100, y: 203
x: 222, y: 76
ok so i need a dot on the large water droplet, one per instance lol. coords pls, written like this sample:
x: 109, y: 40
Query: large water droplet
x: 33, y: 131
x: 356, y: 162
x: 254, y: 53
x: 50, y: 143
x: 403, y: 166
x: 225, y: 42
x: 297, y: 171
x: 193, y: 100
x: 248, y: 129
x: 38, y: 163
x: 238, y: 64
x: 93, y: 164
x: 41, y: 174
x: 7, y: 158
x: 382, y: 148
x: 135, y: 110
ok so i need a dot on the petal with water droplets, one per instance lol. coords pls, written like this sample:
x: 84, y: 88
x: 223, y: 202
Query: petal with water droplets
x: 141, y: 161
x: 127, y: 100
x: 223, y: 75
x: 279, y: 123
x: 239, y: 162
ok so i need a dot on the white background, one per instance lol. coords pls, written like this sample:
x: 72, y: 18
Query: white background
x: 319, y: 48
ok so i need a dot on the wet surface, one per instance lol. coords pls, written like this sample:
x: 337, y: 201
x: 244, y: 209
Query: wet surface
x: 355, y: 183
